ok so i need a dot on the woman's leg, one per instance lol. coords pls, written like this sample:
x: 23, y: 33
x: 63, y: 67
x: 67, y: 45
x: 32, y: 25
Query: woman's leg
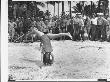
x: 52, y: 60
x: 44, y: 59
x: 42, y: 55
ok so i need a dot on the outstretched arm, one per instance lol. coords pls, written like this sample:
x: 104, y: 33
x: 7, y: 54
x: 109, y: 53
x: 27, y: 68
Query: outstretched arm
x: 53, y: 36
x: 35, y: 31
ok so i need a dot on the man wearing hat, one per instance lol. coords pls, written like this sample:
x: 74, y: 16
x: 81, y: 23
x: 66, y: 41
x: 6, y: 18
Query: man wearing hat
x: 76, y: 30
x: 42, y: 24
x: 93, y: 29
x: 63, y: 25
x: 47, y: 25
x: 27, y: 24
x: 78, y: 24
x: 11, y: 29
x: 108, y: 29
x: 38, y: 24
x: 69, y: 25
x: 87, y: 24
x: 81, y: 25
x: 101, y: 30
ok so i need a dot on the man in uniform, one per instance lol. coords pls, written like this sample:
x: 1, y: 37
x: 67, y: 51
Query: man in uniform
x: 63, y: 24
x: 81, y: 26
x: 69, y: 25
x: 102, y: 23
x: 77, y: 27
x: 38, y: 24
x: 47, y: 25
x: 42, y: 24
x: 52, y: 25
x: 11, y: 28
x: 93, y: 30
x: 87, y: 24
x: 108, y: 29
x: 34, y: 23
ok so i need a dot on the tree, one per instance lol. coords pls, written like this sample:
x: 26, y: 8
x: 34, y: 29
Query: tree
x: 47, y: 4
x: 103, y: 6
x: 47, y: 14
x: 78, y: 8
x: 69, y: 3
x: 24, y: 8
x: 58, y: 7
x: 85, y: 9
x: 62, y: 6
x: 52, y: 3
x: 34, y: 7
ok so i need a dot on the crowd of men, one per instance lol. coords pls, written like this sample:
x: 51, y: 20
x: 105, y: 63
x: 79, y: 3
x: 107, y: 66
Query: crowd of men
x: 81, y: 27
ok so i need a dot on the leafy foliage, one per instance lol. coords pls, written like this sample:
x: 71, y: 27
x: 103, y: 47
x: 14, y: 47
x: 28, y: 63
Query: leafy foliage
x: 89, y: 9
x: 24, y: 8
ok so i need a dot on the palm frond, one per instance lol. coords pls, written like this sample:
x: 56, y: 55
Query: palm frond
x: 75, y: 9
x: 51, y: 2
x: 40, y: 4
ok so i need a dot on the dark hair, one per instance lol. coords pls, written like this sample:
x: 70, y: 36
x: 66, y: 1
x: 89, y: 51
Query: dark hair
x: 45, y: 32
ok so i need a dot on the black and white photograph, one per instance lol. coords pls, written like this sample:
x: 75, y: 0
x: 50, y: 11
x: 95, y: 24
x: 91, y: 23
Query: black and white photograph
x: 58, y: 40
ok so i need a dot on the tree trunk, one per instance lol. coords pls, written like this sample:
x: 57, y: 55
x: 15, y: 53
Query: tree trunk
x: 14, y: 12
x: 47, y: 6
x: 83, y: 7
x: 54, y: 9
x: 62, y: 6
x: 69, y: 3
x: 35, y: 10
x: 58, y: 9
x: 91, y: 7
x: 109, y: 8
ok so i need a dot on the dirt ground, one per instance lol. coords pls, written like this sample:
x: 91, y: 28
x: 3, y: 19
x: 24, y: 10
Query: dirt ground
x: 73, y: 60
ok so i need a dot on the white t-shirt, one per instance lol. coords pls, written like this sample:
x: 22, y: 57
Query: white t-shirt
x: 94, y: 21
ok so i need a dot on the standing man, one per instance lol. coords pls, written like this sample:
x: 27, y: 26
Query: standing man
x: 20, y: 25
x: 57, y: 29
x: 87, y: 26
x: 77, y: 27
x: 38, y: 24
x: 42, y: 24
x: 11, y: 29
x: 47, y: 25
x: 108, y: 29
x: 34, y: 23
x: 63, y: 24
x: 81, y: 26
x: 102, y: 22
x: 93, y: 30
x: 52, y: 25
x: 69, y: 25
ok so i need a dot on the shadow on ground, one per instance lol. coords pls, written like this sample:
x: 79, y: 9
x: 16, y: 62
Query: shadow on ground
x: 37, y: 62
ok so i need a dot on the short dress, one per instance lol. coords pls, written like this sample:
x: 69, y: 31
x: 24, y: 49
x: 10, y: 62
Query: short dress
x: 45, y: 40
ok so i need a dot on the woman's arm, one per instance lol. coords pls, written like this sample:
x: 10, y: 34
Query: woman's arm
x: 53, y: 36
x: 35, y: 31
